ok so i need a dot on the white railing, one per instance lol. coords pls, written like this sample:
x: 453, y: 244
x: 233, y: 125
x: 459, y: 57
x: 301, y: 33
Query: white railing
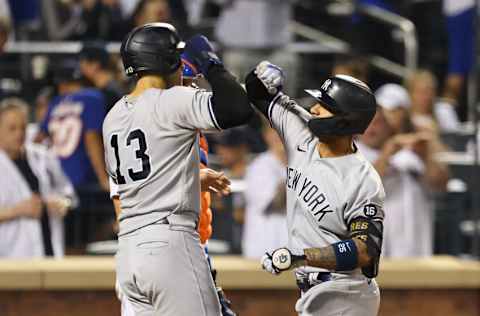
x: 405, y: 27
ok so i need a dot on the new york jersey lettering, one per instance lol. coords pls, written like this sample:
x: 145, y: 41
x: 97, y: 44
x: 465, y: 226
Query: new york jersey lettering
x: 309, y: 193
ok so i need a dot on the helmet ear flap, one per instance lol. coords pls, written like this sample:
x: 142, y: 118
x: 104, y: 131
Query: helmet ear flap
x: 332, y: 126
x: 342, y: 123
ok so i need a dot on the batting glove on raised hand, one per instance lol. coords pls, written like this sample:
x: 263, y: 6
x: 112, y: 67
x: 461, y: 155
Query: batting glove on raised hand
x: 199, y: 52
x: 271, y: 76
x: 281, y: 260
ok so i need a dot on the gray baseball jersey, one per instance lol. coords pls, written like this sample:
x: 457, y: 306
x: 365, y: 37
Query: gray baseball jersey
x: 151, y: 152
x: 323, y: 194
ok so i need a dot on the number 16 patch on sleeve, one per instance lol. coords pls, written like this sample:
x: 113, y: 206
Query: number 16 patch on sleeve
x: 370, y: 210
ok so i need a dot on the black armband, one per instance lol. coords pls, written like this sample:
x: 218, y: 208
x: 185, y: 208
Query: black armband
x: 258, y: 93
x: 369, y: 231
x: 230, y: 103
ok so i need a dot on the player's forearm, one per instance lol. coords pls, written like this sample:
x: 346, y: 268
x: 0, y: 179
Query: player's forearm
x: 94, y: 146
x: 8, y: 214
x: 257, y: 93
x: 229, y: 100
x: 325, y: 257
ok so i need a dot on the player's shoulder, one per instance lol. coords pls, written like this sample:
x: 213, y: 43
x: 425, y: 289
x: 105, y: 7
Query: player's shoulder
x: 363, y: 178
x: 173, y: 95
x: 179, y: 91
x: 114, y: 113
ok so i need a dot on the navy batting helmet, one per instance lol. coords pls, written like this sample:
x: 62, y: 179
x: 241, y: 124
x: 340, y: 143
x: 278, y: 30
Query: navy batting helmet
x: 153, y: 47
x: 351, y: 102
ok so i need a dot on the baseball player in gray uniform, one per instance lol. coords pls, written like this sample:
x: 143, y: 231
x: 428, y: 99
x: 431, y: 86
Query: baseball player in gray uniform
x: 152, y: 154
x: 334, y: 196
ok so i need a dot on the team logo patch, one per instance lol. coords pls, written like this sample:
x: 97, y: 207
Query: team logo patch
x: 370, y: 210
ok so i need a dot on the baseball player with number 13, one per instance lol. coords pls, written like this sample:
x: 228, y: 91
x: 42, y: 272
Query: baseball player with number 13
x: 151, y: 140
x: 334, y: 196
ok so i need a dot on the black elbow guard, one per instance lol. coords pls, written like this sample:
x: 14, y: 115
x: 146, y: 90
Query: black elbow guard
x: 258, y: 93
x: 371, y: 232
x: 230, y: 103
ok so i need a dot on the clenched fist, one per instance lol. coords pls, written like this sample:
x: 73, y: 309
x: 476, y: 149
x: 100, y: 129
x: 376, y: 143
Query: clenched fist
x: 281, y: 260
x: 271, y: 76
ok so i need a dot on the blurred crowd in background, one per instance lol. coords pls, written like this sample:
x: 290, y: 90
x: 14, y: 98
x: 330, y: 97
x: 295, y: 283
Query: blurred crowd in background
x: 54, y: 197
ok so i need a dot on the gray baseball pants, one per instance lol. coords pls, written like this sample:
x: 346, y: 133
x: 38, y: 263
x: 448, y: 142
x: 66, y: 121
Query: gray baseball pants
x: 357, y: 296
x: 162, y: 270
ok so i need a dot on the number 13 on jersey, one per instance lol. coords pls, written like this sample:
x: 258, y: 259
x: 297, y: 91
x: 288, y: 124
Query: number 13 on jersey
x: 140, y: 154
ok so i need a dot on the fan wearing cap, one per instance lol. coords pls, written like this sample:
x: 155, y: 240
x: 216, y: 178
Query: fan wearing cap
x: 409, y: 173
x: 73, y: 124
x: 334, y: 195
x: 395, y: 103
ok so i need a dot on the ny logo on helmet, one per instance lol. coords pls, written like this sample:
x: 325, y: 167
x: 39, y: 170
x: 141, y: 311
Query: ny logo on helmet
x: 326, y: 84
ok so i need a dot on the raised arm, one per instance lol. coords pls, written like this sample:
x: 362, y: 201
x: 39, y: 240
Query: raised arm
x: 257, y: 91
x: 229, y: 101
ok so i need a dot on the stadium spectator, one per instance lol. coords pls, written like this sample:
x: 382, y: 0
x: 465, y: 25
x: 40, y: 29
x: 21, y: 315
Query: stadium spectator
x: 82, y: 20
x: 74, y: 125
x: 410, y: 175
x: 62, y: 20
x: 265, y: 199
x: 149, y: 11
x: 460, y: 20
x: 5, y: 23
x: 35, y: 192
x: 40, y: 110
x: 395, y: 102
x: 25, y: 14
x: 232, y: 151
x: 103, y: 20
x: 95, y: 67
x: 427, y: 112
x: 253, y: 30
